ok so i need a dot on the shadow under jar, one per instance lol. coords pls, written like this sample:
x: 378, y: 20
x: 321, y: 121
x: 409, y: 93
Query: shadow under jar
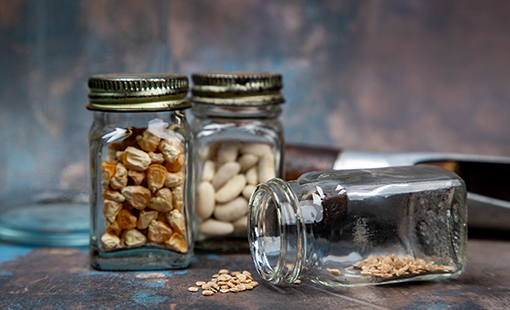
x: 141, y: 176
x: 239, y: 144
x: 360, y: 227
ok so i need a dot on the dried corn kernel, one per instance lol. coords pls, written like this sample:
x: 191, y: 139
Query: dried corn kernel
x: 114, y: 229
x: 111, y: 209
x: 110, y: 241
x: 120, y: 178
x: 177, y: 221
x: 156, y: 158
x: 156, y: 177
x: 137, y: 196
x: 174, y: 179
x: 162, y: 202
x: 177, y: 198
x: 159, y: 232
x: 126, y: 219
x: 178, y: 243
x: 176, y: 165
x: 148, y: 142
x: 135, y: 159
x: 113, y: 195
x: 170, y: 150
x: 136, y: 176
x: 145, y: 218
x: 108, y: 170
x: 133, y: 238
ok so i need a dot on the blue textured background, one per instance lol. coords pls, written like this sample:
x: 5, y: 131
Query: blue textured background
x: 400, y: 75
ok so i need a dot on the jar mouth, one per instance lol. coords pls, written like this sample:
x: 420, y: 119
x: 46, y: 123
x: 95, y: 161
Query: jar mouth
x: 276, y: 232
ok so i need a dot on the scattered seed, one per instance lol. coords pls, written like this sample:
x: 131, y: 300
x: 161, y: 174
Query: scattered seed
x: 334, y: 270
x: 389, y: 266
x: 297, y: 282
x: 224, y: 282
x: 241, y: 277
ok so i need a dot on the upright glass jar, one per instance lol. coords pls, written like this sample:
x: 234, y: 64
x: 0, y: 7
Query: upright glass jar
x: 141, y: 172
x: 360, y: 227
x: 239, y: 144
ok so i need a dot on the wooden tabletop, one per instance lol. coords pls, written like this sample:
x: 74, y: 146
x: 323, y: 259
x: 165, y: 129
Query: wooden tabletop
x: 61, y: 278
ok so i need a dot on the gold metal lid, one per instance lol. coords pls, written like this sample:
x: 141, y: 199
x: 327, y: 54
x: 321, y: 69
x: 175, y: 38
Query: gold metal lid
x: 138, y: 92
x: 237, y: 88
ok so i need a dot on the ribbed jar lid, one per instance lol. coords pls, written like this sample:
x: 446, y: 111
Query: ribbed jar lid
x: 138, y: 92
x: 237, y: 88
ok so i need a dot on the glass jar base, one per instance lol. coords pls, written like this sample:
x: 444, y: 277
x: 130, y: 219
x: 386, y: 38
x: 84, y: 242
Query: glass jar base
x: 138, y: 259
x: 58, y: 223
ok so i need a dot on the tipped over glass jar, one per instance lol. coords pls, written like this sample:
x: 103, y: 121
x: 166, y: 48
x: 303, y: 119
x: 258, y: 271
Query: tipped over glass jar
x: 360, y: 227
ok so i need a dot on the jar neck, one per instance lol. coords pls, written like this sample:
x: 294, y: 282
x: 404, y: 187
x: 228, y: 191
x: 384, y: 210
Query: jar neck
x: 277, y: 231
x: 133, y: 119
x: 265, y: 111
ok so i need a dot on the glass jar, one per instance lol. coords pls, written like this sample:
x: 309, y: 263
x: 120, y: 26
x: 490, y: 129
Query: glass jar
x: 239, y: 144
x: 141, y: 159
x: 360, y: 227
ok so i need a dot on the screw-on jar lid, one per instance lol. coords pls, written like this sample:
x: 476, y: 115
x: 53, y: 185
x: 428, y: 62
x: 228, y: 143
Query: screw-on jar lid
x: 237, y: 88
x: 138, y: 92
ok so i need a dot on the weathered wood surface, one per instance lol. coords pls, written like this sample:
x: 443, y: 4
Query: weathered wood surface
x: 61, y: 278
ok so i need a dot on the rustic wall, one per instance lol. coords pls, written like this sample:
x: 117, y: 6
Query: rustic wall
x: 394, y: 75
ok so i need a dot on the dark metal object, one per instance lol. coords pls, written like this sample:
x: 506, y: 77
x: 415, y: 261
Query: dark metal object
x: 487, y: 177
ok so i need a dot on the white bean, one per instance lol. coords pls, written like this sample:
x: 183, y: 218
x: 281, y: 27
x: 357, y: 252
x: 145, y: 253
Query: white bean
x: 231, y: 211
x: 208, y: 171
x: 205, y: 203
x: 247, y: 161
x: 227, y: 152
x: 212, y: 227
x: 248, y: 190
x: 259, y: 149
x: 231, y: 189
x: 266, y: 168
x: 225, y: 173
x: 252, y: 176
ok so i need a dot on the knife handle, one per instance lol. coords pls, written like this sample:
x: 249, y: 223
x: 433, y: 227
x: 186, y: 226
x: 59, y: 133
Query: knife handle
x: 300, y: 159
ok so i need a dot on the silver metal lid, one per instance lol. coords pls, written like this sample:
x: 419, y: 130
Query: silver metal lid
x: 237, y: 88
x: 138, y: 92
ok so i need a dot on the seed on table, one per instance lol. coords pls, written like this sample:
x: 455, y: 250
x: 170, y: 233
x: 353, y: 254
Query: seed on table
x: 207, y: 293
x: 193, y: 289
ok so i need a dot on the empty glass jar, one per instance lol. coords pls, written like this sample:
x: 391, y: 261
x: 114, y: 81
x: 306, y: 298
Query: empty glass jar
x: 239, y: 144
x: 140, y: 155
x: 360, y: 227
